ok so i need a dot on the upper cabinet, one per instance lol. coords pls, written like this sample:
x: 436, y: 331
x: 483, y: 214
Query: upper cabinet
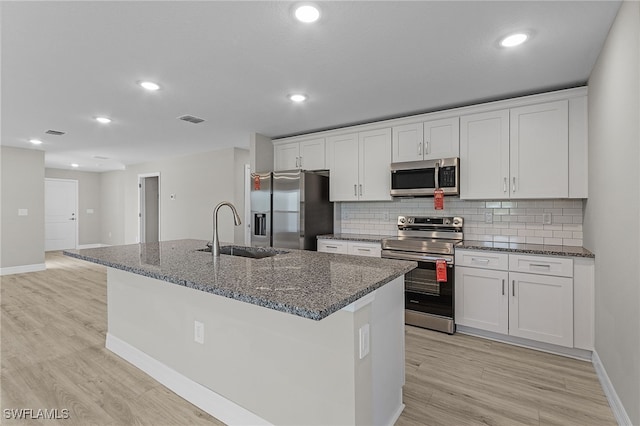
x: 359, y: 166
x: 425, y: 141
x: 521, y: 152
x: 305, y: 155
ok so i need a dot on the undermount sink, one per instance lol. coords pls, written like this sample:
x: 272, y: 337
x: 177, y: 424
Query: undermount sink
x: 250, y: 252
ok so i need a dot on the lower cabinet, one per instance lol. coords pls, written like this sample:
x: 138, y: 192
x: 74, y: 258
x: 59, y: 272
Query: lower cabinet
x: 357, y: 248
x: 536, y: 306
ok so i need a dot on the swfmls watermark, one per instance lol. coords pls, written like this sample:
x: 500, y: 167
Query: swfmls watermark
x: 35, y: 414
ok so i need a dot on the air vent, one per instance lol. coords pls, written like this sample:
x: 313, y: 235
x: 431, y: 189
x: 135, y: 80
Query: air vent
x: 54, y: 132
x: 191, y: 119
x: 99, y: 157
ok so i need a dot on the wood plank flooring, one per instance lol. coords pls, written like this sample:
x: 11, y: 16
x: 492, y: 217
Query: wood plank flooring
x: 53, y: 326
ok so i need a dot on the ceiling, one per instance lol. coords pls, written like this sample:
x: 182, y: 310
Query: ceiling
x: 233, y: 63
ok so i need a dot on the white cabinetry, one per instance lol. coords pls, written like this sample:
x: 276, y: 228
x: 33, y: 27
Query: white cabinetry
x: 359, y: 166
x: 305, y: 155
x: 520, y: 152
x: 357, y: 248
x: 522, y: 296
x: 424, y: 141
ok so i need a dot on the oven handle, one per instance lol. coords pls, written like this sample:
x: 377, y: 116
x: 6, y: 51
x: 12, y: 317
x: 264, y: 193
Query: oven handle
x: 422, y: 257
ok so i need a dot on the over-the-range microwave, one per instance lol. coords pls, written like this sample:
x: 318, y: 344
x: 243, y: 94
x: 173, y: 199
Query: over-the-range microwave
x: 421, y: 178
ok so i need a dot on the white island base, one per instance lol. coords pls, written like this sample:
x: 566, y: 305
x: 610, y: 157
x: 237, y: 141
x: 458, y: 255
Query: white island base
x: 258, y: 365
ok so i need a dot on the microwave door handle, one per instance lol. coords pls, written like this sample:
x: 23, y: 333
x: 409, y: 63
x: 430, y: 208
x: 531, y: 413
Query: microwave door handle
x: 437, y: 176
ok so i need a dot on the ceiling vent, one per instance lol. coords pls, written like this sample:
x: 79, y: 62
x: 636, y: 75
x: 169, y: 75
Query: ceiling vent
x: 54, y: 132
x: 191, y: 119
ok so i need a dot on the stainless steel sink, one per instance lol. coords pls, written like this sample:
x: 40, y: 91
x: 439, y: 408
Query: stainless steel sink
x: 250, y: 252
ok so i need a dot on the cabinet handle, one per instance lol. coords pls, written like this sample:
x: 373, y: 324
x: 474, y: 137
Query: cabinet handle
x: 419, y: 148
x: 514, y: 184
x: 473, y: 259
x: 539, y: 265
x: 504, y: 185
x: 297, y: 161
x: 361, y: 190
x: 300, y: 165
x: 362, y: 249
x: 426, y: 147
x: 503, y: 286
x: 355, y: 189
x: 333, y: 247
x: 513, y: 288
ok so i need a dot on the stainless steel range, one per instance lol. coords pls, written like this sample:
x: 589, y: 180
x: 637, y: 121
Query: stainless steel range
x: 429, y: 298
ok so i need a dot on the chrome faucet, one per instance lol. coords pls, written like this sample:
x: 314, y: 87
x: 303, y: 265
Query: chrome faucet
x: 215, y: 244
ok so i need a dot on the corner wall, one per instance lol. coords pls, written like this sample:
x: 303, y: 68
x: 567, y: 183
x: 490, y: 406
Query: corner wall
x: 21, y: 188
x: 612, y: 213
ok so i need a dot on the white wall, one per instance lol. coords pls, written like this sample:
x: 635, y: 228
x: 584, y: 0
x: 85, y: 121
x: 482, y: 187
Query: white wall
x: 21, y: 187
x: 199, y: 182
x: 89, y: 189
x: 612, y: 213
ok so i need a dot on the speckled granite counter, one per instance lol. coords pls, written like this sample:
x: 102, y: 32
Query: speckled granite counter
x: 545, y: 250
x: 353, y: 237
x: 304, y: 283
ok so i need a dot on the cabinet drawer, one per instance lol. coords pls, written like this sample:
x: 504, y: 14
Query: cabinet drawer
x: 482, y: 259
x: 558, y: 266
x: 333, y: 246
x: 365, y: 249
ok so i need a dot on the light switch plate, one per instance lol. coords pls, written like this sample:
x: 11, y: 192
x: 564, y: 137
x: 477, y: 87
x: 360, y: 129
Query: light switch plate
x: 198, y: 332
x: 23, y: 212
x: 488, y: 217
x: 364, y: 340
x: 546, y: 218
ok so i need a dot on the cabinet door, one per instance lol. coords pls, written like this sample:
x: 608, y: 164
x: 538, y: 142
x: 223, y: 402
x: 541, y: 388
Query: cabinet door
x: 342, y: 159
x: 484, y: 155
x: 286, y: 156
x: 541, y: 308
x: 312, y: 153
x: 374, y: 166
x: 441, y: 138
x: 333, y: 246
x: 539, y: 151
x: 407, y: 143
x: 481, y: 299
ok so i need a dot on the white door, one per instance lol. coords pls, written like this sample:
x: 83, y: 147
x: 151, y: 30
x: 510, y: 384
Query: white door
x: 286, y: 157
x: 441, y: 138
x: 60, y: 214
x: 149, y: 196
x: 407, y: 143
x: 484, y: 155
x: 312, y: 154
x: 342, y: 159
x: 539, y: 150
x: 482, y: 299
x: 374, y: 165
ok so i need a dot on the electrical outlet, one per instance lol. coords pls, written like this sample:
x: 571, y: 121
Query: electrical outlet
x: 198, y: 332
x: 546, y: 218
x: 488, y: 217
x: 364, y: 340
x: 386, y: 216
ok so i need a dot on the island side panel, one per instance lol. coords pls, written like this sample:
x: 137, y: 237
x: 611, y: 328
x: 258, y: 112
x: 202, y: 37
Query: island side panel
x: 285, y: 369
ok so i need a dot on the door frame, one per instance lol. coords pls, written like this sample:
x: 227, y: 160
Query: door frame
x: 141, y: 205
x: 76, y: 207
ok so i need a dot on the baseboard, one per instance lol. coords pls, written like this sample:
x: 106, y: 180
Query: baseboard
x: 88, y: 246
x: 23, y: 269
x: 581, y: 354
x: 397, y: 415
x: 612, y: 396
x: 200, y: 396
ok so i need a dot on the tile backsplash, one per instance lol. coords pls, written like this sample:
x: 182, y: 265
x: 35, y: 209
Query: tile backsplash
x: 517, y: 221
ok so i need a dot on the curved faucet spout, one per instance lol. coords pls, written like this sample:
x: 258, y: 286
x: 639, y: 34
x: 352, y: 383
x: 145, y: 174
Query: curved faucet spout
x: 215, y: 243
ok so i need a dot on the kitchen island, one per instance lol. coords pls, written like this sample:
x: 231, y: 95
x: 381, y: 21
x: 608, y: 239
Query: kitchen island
x: 297, y: 338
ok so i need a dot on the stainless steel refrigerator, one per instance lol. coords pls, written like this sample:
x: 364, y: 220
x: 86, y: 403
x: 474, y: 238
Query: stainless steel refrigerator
x: 289, y: 209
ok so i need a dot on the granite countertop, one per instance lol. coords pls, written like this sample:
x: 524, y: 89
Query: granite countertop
x: 548, y: 250
x: 305, y: 283
x: 354, y: 237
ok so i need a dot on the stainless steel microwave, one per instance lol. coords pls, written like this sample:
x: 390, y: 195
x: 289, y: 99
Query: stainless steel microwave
x: 421, y: 178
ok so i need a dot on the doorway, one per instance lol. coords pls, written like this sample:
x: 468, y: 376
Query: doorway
x: 60, y: 214
x: 149, y: 213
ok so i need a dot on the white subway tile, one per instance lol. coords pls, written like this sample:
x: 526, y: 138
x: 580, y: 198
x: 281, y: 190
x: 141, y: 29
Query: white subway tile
x: 553, y: 227
x: 518, y: 240
x: 500, y: 211
x: 509, y: 204
x: 544, y: 204
x: 492, y: 204
x: 544, y: 234
x: 501, y: 239
x: 534, y: 226
x: 535, y: 240
x: 535, y: 211
x: 553, y: 241
x: 572, y: 227
x: 571, y: 242
x: 526, y: 233
x: 562, y: 234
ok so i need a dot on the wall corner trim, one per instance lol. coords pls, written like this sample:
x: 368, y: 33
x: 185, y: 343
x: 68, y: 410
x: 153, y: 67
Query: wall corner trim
x: 614, y: 401
x: 23, y: 269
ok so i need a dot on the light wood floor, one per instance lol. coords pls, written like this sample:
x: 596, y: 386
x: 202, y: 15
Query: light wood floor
x: 53, y: 326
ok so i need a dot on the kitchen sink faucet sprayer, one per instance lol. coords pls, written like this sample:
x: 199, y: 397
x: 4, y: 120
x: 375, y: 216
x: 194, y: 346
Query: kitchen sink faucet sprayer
x: 215, y: 244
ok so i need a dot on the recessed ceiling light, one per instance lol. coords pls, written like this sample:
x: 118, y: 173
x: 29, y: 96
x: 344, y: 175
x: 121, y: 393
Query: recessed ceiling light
x: 103, y: 120
x: 35, y: 141
x: 149, y: 85
x: 514, y: 40
x: 298, y: 97
x: 307, y: 13
x: 74, y: 165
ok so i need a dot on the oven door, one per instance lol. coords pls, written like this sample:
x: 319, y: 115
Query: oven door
x: 423, y: 292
